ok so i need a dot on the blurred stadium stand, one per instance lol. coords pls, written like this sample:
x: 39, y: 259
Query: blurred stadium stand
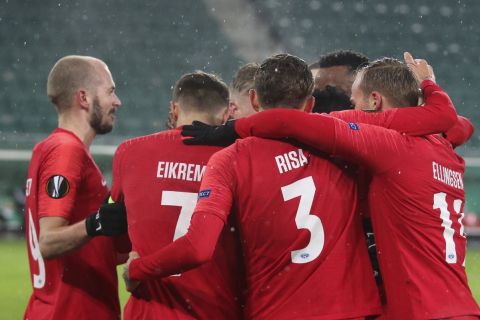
x: 149, y: 44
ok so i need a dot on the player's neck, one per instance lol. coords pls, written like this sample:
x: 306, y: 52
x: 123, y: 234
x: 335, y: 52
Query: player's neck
x: 81, y: 129
x: 205, y: 118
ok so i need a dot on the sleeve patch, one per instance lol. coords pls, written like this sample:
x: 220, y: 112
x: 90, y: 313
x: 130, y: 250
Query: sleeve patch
x: 204, y: 194
x: 353, y: 126
x: 57, y: 187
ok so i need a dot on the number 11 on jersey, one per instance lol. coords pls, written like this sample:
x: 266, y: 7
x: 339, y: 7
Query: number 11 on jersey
x: 440, y: 202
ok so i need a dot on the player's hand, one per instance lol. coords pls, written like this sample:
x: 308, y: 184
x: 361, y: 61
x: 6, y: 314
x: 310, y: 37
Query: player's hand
x: 205, y: 134
x: 130, y: 284
x: 420, y: 67
x: 109, y: 220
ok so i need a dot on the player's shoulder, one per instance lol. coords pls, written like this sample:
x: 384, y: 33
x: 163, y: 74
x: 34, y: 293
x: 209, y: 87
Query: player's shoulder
x: 62, y: 142
x: 255, y: 142
x: 448, y: 149
x: 437, y: 141
x: 262, y: 146
x: 154, y: 138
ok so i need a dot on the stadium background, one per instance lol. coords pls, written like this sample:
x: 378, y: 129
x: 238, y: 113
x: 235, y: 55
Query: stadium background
x: 149, y: 44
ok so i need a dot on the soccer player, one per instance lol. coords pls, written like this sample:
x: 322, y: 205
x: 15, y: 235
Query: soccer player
x: 416, y: 198
x: 334, y: 74
x: 158, y: 178
x: 73, y: 268
x: 295, y: 215
x: 240, y: 105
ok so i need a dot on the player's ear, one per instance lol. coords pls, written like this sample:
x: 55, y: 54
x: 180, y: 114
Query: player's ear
x: 376, y: 101
x: 226, y: 114
x: 81, y: 98
x: 309, y: 104
x: 174, y: 110
x: 252, y: 94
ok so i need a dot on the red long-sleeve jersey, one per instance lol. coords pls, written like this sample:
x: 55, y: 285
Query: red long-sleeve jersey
x: 158, y: 178
x: 416, y: 201
x: 299, y: 234
x: 64, y: 181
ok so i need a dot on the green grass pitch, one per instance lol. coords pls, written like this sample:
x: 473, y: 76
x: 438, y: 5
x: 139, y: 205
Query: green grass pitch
x: 15, y: 287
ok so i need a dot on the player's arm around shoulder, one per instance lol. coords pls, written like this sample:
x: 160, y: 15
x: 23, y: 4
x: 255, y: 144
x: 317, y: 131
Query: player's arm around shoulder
x: 373, y: 147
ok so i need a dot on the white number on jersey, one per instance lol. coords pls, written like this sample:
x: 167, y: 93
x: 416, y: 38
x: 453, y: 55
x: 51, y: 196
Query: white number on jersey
x: 440, y: 202
x: 38, y: 279
x: 305, y: 189
x: 186, y: 201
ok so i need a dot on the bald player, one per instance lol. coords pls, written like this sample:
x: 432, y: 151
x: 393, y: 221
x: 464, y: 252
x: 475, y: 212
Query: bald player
x: 72, y: 262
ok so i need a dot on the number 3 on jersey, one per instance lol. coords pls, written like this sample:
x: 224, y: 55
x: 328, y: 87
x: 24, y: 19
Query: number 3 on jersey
x: 305, y: 189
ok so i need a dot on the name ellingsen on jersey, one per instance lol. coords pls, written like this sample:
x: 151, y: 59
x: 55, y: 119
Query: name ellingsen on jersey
x: 180, y: 171
x: 290, y: 160
x: 448, y: 176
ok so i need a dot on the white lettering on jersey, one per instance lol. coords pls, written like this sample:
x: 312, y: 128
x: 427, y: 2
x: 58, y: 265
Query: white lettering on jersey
x: 180, y: 171
x: 28, y: 187
x: 448, y: 176
x: 290, y: 160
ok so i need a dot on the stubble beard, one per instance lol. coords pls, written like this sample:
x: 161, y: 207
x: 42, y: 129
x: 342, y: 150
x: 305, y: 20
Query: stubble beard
x: 96, y: 119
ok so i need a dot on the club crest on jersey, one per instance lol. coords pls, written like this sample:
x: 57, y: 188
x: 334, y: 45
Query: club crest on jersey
x: 353, y: 126
x: 57, y: 187
x: 204, y: 194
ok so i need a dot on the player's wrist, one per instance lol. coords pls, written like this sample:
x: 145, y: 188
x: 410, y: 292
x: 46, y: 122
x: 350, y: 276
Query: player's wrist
x: 427, y: 82
x: 133, y: 271
x: 93, y: 225
x: 230, y: 132
x: 428, y: 86
x: 109, y: 220
x: 241, y: 127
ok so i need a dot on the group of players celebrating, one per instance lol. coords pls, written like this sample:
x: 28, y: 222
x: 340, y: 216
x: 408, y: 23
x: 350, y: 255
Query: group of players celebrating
x: 268, y: 215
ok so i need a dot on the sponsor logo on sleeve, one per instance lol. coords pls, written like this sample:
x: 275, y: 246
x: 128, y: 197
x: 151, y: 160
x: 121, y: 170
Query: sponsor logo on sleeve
x: 353, y: 126
x: 204, y: 194
x: 57, y: 187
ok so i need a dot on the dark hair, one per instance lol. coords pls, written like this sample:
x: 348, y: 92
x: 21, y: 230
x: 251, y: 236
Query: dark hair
x: 393, y: 79
x: 351, y: 59
x: 283, y: 80
x: 201, y: 91
x: 244, y: 78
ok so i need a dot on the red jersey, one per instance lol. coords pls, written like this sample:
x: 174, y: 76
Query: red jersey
x: 64, y: 181
x: 158, y: 178
x: 418, y: 223
x: 416, y: 201
x: 295, y: 213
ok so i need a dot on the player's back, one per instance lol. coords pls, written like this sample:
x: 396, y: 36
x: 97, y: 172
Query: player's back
x: 303, y: 246
x: 159, y: 178
x: 417, y: 209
